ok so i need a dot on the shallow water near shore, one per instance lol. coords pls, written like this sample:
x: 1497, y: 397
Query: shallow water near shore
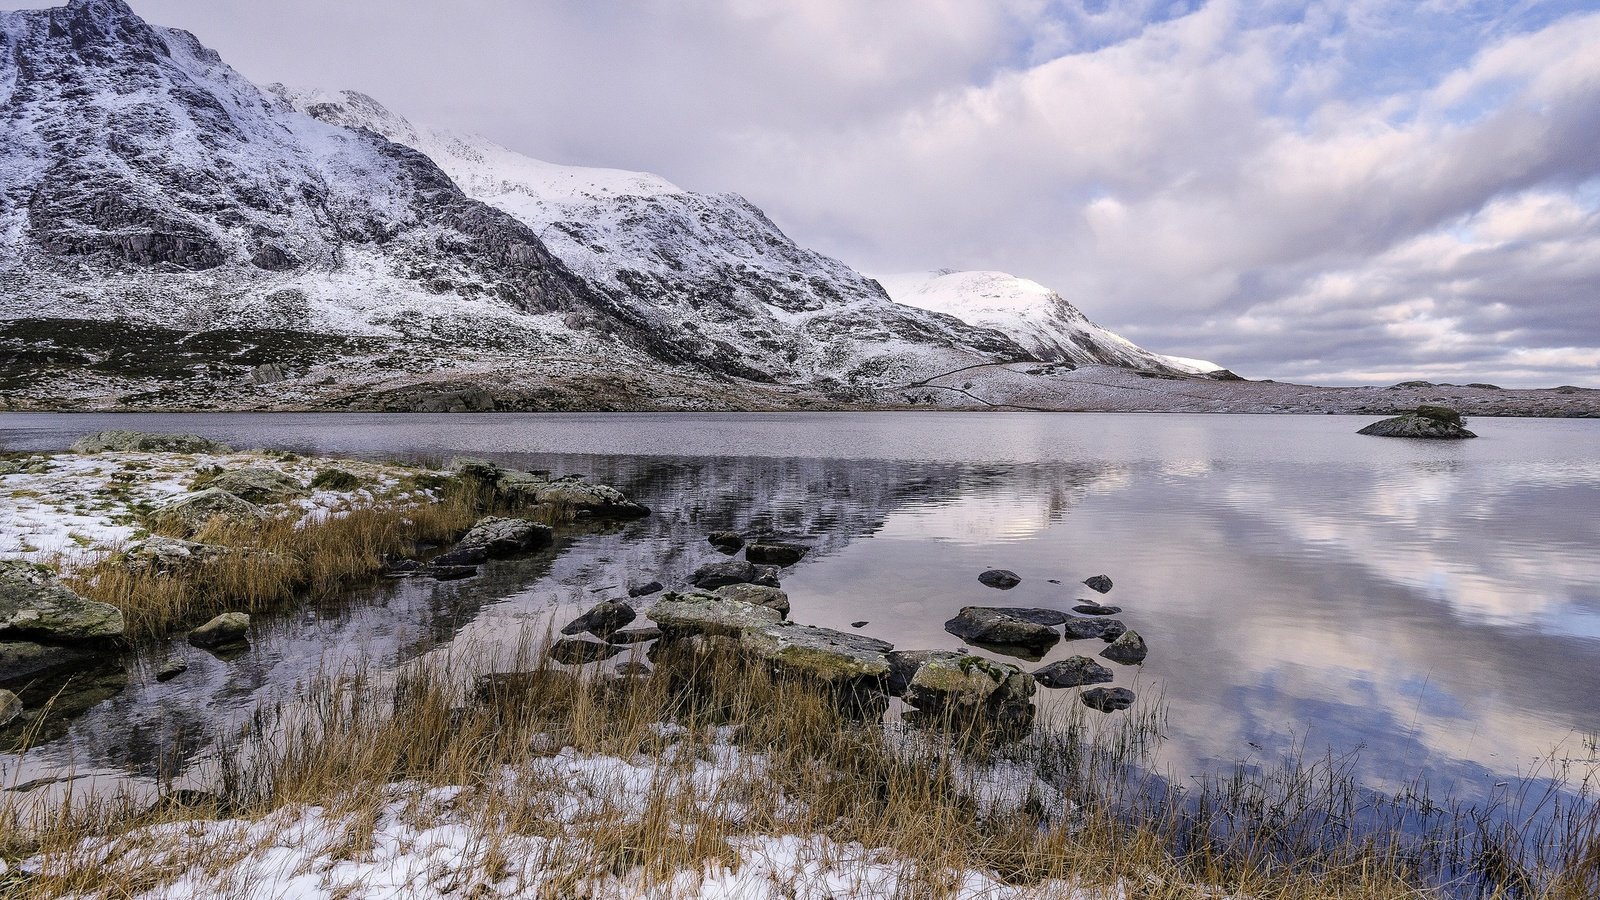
x: 1432, y: 605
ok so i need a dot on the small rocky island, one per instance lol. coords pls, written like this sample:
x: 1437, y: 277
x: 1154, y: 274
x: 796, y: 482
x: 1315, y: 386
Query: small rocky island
x: 1430, y: 422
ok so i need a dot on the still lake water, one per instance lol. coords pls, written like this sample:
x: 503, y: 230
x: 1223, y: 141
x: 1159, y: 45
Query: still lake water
x: 1432, y: 605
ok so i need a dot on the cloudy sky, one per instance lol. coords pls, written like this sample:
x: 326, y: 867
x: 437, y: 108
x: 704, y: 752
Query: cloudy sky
x: 1338, y: 192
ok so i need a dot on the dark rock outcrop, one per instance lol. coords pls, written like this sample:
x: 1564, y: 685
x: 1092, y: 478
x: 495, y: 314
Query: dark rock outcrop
x: 733, y: 571
x: 728, y: 542
x: 1087, y: 629
x: 35, y: 604
x: 1107, y: 699
x: 1076, y: 671
x: 1098, y: 583
x: 772, y: 553
x: 602, y: 619
x: 991, y: 627
x: 1428, y: 422
x: 1129, y: 649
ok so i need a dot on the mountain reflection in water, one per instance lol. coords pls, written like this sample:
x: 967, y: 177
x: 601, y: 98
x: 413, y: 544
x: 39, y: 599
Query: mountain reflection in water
x: 1301, y: 588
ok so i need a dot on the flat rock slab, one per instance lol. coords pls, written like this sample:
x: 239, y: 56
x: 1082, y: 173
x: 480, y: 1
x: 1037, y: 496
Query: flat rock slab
x: 733, y: 571
x: 1036, y: 614
x: 646, y: 589
x: 1107, y: 699
x: 1085, y: 629
x: 828, y: 654
x: 696, y: 613
x: 1004, y: 579
x: 634, y: 635
x: 989, y: 626
x: 1076, y: 671
x: 1095, y: 609
x: 757, y: 595
x: 34, y: 603
x: 23, y: 661
x: 775, y: 553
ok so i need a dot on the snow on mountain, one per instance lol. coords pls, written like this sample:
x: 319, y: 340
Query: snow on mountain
x: 144, y: 180
x: 1191, y: 365
x: 1034, y: 316
x: 710, y: 275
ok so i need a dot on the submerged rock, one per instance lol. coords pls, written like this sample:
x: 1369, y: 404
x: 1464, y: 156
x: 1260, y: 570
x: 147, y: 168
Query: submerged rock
x: 230, y: 628
x: 602, y: 619
x: 188, y: 513
x: 757, y: 595
x: 1430, y: 422
x: 1096, y: 609
x: 994, y: 627
x: 645, y: 590
x: 449, y: 572
x: 1074, y: 672
x: 172, y: 667
x: 1129, y: 649
x: 34, y: 603
x: 578, y: 651
x: 147, y: 442
x: 1004, y: 579
x: 1098, y: 583
x: 258, y: 484
x: 776, y: 554
x: 22, y: 661
x: 1087, y: 629
x: 1107, y: 699
x: 728, y: 542
x: 733, y: 571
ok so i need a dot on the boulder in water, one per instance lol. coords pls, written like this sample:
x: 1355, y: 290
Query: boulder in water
x: 728, y: 542
x: 492, y: 537
x: 579, y: 651
x: 1107, y: 699
x: 1004, y: 579
x: 228, y: 629
x: 1098, y: 583
x: 1428, y: 422
x: 1076, y: 671
x: 1129, y: 649
x: 775, y: 553
x: 1085, y: 629
x: 602, y: 619
x: 987, y: 625
x: 733, y: 571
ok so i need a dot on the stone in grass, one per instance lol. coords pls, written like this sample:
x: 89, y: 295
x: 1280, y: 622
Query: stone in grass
x: 10, y: 707
x: 602, y: 619
x: 1004, y: 579
x: 632, y: 669
x: 1129, y: 649
x: 578, y: 651
x: 823, y: 653
x: 757, y: 595
x: 1096, y: 609
x: 775, y: 553
x: 172, y: 667
x: 34, y: 603
x: 228, y: 629
x: 994, y: 627
x: 1106, y: 630
x: 1076, y: 671
x: 733, y: 571
x: 645, y: 590
x: 257, y: 484
x: 1098, y: 583
x: 1107, y: 699
x: 188, y: 513
x: 728, y: 542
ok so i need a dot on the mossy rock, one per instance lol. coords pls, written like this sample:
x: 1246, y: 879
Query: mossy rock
x: 258, y: 484
x: 147, y: 442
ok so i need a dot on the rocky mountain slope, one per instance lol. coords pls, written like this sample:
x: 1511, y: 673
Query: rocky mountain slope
x: 1039, y: 319
x: 708, y: 273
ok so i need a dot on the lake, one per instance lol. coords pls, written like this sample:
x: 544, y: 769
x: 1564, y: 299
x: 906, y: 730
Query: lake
x: 1432, y: 605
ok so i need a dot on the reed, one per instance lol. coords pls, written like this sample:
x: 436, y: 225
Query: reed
x: 722, y: 751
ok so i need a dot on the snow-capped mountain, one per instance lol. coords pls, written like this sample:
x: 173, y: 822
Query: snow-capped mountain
x: 710, y: 274
x: 145, y: 180
x: 171, y: 234
x: 1032, y: 315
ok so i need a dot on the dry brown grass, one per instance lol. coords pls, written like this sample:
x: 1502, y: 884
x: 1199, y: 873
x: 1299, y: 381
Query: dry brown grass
x: 823, y: 773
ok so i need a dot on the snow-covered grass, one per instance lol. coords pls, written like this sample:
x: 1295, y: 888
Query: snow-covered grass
x: 79, y: 513
x: 709, y: 777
